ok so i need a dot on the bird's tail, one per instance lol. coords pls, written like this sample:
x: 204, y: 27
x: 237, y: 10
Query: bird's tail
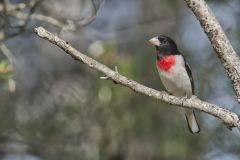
x: 192, y: 121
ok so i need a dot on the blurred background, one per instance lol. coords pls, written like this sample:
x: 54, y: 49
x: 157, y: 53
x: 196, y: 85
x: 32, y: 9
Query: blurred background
x: 52, y: 107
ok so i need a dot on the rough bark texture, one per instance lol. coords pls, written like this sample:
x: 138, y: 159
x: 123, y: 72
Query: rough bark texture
x: 219, y: 41
x: 229, y: 118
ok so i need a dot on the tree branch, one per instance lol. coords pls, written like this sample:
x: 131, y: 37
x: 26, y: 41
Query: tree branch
x: 219, y: 41
x: 229, y: 118
x: 69, y: 25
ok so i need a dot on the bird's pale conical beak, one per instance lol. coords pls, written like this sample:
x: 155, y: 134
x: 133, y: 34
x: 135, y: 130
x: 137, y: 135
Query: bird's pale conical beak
x: 155, y: 41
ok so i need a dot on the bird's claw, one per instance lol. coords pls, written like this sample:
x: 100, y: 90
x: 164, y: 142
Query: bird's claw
x: 183, y: 98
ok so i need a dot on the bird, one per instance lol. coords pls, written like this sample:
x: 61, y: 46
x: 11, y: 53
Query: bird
x: 175, y: 74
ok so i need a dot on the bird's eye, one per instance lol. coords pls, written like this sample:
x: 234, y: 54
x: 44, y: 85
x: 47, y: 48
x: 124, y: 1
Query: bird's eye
x: 164, y: 41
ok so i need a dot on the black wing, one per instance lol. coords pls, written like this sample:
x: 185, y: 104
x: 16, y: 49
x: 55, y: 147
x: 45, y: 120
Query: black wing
x: 190, y: 75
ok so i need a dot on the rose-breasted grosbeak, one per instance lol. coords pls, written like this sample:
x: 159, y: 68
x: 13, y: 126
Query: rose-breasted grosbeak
x: 175, y: 74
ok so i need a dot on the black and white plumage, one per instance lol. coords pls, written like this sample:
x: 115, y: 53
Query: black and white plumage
x: 175, y: 74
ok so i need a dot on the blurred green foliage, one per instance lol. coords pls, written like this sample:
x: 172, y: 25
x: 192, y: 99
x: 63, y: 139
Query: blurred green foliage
x: 6, y: 70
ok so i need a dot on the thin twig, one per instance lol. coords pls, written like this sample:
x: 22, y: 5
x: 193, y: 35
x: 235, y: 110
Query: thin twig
x: 229, y: 118
x: 68, y: 25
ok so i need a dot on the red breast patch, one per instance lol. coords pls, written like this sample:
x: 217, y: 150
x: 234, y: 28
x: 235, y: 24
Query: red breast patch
x: 166, y: 62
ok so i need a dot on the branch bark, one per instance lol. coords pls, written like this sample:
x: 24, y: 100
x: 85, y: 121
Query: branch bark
x: 229, y: 118
x: 219, y: 41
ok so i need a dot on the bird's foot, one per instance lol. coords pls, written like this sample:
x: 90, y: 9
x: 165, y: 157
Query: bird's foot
x: 183, y: 98
x: 193, y: 97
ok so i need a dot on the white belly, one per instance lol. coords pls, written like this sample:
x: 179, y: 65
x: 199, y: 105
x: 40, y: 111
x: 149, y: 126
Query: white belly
x: 176, y: 80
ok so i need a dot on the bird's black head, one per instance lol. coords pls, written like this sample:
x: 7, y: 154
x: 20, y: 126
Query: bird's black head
x: 165, y: 46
